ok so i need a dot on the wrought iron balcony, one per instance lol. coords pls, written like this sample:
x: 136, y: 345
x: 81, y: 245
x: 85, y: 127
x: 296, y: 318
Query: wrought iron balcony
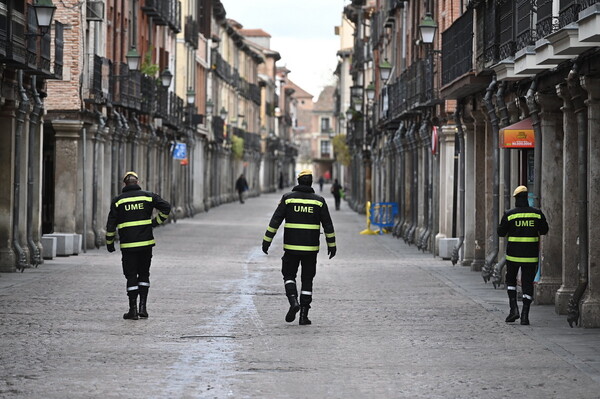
x: 218, y: 129
x: 191, y: 31
x: 545, y: 25
x: 413, y: 90
x: 14, y: 23
x: 164, y: 12
x: 457, y: 48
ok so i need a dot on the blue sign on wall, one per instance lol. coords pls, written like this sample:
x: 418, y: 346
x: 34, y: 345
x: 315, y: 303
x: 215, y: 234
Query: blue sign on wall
x: 180, y: 151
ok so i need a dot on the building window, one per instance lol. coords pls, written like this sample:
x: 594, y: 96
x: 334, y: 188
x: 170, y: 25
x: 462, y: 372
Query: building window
x: 325, y: 126
x: 325, y: 149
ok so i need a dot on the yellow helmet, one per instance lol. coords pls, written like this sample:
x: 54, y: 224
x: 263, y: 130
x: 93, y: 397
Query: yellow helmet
x: 519, y: 190
x: 305, y: 172
x: 130, y: 173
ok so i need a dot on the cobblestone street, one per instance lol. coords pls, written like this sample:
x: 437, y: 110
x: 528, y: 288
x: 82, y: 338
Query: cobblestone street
x: 388, y: 322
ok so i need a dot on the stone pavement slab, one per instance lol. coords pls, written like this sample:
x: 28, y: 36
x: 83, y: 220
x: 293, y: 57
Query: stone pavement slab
x: 388, y: 322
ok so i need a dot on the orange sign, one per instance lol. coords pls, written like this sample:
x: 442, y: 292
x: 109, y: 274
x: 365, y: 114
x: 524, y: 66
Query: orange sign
x: 517, y: 138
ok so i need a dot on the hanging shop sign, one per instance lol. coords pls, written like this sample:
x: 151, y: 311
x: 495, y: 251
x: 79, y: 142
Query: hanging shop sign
x: 179, y: 151
x: 518, y: 135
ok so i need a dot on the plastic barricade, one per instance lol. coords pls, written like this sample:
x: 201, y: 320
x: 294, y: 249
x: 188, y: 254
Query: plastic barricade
x: 383, y: 215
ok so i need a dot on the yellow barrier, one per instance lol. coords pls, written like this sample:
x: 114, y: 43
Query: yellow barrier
x: 368, y: 230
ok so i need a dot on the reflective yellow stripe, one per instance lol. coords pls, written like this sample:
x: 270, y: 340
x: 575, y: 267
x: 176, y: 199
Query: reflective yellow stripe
x: 303, y: 201
x: 523, y: 239
x: 163, y: 215
x: 268, y: 239
x: 136, y: 223
x: 110, y: 233
x: 133, y: 199
x: 110, y: 241
x: 300, y: 247
x: 272, y: 230
x: 329, y: 235
x: 522, y: 260
x: 303, y: 226
x: 331, y: 244
x: 137, y: 244
x: 524, y: 216
x: 159, y: 221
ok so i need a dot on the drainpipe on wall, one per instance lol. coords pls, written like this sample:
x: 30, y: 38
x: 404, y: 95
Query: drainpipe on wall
x: 488, y: 267
x: 98, y: 236
x: 497, y: 275
x: 582, y: 150
x: 20, y: 117
x: 34, y: 123
x: 534, y: 112
x: 411, y: 147
x: 425, y: 129
x: 401, y: 186
x: 114, y: 154
x: 461, y: 182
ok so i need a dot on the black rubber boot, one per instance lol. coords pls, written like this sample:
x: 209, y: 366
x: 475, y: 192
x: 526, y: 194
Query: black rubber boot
x: 294, y: 308
x: 143, y: 313
x: 304, y: 321
x: 525, y: 313
x: 132, y: 314
x: 514, y: 307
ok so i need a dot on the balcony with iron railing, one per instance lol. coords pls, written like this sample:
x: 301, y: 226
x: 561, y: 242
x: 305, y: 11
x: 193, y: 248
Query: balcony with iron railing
x: 164, y: 12
x: 459, y: 77
x: 191, y: 32
x: 413, y: 90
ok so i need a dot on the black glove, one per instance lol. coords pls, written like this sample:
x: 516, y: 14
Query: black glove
x: 265, y: 247
x: 154, y: 222
x: 110, y: 247
x: 331, y: 251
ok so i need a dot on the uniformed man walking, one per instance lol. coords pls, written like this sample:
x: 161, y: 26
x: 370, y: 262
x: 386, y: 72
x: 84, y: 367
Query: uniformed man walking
x: 131, y: 213
x: 523, y: 226
x: 304, y: 213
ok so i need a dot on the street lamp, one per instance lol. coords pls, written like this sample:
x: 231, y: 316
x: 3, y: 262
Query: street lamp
x: 427, y: 28
x: 223, y: 113
x: 356, y: 91
x: 349, y: 113
x: 44, y: 12
x: 357, y: 101
x: 133, y: 59
x: 190, y: 96
x: 166, y: 77
x: 209, y: 107
x: 385, y: 69
x: 370, y: 91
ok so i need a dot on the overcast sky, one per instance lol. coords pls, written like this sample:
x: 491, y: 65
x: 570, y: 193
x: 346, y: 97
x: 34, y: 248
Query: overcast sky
x: 302, y: 31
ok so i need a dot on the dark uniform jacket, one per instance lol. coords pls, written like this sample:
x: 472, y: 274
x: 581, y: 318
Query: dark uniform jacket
x: 304, y: 213
x: 131, y: 213
x: 523, y: 225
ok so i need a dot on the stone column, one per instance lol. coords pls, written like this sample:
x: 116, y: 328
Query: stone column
x: 590, y: 307
x: 8, y: 258
x: 446, y: 182
x: 479, y: 173
x: 469, y: 154
x: 65, y: 174
x: 551, y: 197
x: 570, y: 186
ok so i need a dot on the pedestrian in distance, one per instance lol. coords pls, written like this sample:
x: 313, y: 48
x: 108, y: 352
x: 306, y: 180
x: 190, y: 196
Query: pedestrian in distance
x: 523, y: 226
x: 336, y: 190
x: 131, y: 215
x: 304, y: 212
x: 241, y: 185
x: 321, y: 182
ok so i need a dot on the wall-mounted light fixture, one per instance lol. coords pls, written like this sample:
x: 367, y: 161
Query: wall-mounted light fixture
x: 385, y: 69
x: 427, y: 28
x: 166, y: 77
x: 133, y: 59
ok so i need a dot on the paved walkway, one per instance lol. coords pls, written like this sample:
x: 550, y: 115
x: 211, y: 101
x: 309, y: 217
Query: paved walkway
x: 388, y: 322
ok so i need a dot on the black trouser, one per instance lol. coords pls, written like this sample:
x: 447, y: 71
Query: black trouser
x: 136, y: 268
x: 289, y: 269
x: 528, y: 271
x: 337, y: 202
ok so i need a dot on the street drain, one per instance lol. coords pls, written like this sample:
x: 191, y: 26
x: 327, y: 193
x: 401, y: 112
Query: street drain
x: 206, y: 336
